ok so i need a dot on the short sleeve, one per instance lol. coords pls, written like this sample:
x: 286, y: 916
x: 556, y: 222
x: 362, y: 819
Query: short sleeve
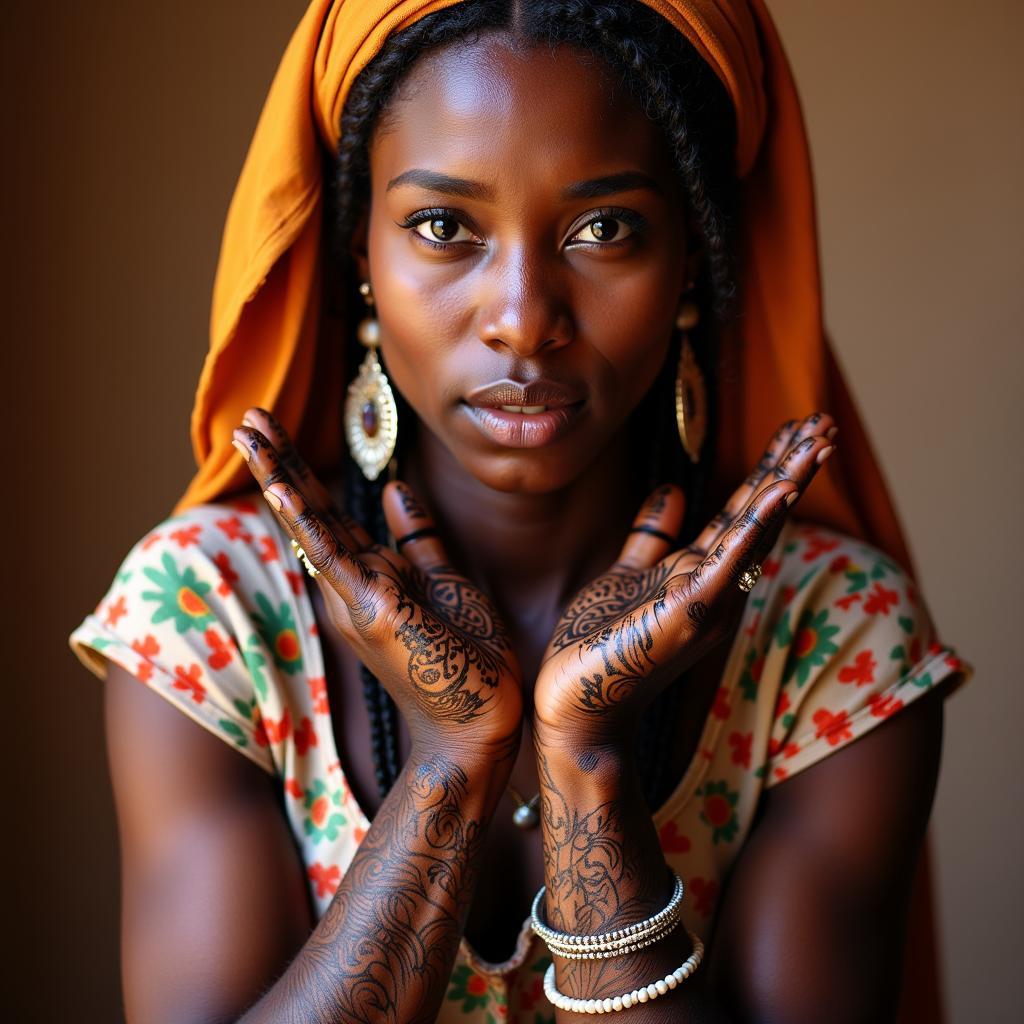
x: 192, y: 613
x: 851, y: 644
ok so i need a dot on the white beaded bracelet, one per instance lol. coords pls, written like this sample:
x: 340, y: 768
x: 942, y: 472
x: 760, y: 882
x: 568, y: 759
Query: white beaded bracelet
x: 643, y: 994
x: 559, y: 942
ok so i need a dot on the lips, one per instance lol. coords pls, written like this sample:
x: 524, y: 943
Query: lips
x: 547, y: 393
x: 516, y: 415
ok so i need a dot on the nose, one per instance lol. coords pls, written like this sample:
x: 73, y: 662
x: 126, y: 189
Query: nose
x: 521, y: 310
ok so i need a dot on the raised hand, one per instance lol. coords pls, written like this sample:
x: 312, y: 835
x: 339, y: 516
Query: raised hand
x: 429, y: 635
x: 657, y: 610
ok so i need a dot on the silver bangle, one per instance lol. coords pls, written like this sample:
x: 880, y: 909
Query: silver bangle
x: 621, y: 950
x: 643, y: 994
x: 608, y: 941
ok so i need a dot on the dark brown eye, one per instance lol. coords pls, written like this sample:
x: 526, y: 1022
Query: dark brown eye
x: 444, y: 229
x: 604, y: 230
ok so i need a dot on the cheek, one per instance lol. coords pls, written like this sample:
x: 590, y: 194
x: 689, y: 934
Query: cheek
x: 630, y: 325
x: 419, y: 322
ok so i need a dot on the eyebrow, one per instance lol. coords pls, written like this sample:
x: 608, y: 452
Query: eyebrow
x: 435, y: 181
x: 625, y: 181
x: 594, y: 188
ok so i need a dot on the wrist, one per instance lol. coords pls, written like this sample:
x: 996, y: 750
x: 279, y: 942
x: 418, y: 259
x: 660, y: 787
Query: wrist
x: 482, y: 768
x: 596, y: 769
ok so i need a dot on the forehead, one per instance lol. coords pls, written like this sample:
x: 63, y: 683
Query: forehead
x: 512, y: 112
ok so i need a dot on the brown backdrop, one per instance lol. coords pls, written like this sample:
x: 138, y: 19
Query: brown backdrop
x: 126, y: 124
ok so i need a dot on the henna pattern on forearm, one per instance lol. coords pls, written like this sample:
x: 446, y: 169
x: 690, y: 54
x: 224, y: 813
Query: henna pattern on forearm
x: 383, y: 952
x: 597, y: 877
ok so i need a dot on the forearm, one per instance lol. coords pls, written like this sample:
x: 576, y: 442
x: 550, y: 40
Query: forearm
x: 384, y: 949
x: 604, y: 869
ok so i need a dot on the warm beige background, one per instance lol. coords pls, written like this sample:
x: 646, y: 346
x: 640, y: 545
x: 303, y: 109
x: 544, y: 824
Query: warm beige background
x: 129, y: 124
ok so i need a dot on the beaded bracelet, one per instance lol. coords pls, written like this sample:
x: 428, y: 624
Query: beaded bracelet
x: 643, y: 994
x: 610, y: 943
x: 619, y: 950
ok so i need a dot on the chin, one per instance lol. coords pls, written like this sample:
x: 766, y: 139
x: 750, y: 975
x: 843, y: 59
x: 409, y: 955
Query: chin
x: 526, y: 471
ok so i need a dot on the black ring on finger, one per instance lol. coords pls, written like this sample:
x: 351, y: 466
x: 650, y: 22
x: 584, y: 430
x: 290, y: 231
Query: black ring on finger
x: 427, y: 531
x: 654, y: 533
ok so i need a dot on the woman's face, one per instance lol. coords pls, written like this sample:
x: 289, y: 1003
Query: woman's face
x: 526, y: 243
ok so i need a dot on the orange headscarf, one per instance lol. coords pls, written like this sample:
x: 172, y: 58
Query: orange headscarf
x: 267, y: 305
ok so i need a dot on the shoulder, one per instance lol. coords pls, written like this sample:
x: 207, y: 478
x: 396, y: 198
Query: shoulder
x: 844, y: 640
x: 208, y: 609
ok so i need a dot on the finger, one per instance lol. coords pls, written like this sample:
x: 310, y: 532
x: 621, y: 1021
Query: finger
x: 335, y: 564
x: 803, y: 461
x: 777, y: 448
x: 789, y: 436
x: 305, y: 480
x: 718, y: 574
x: 415, y: 533
x: 794, y: 474
x: 655, y: 530
x: 302, y: 477
x: 267, y: 467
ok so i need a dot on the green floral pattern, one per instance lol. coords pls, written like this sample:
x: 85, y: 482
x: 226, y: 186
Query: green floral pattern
x: 810, y: 644
x: 833, y: 640
x: 718, y: 810
x: 277, y: 628
x: 180, y: 596
x: 323, y: 812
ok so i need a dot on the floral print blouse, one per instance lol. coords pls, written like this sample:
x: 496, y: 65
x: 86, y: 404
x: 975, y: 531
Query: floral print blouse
x: 210, y: 611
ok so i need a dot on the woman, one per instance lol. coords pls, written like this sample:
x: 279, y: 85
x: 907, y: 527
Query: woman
x: 583, y: 242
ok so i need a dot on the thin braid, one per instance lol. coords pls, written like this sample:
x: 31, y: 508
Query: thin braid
x: 680, y: 93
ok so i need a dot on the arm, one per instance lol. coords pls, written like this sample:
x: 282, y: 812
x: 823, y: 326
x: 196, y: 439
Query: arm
x: 813, y: 919
x: 603, y: 868
x: 384, y: 949
x: 215, y: 901
x: 385, y: 946
x: 621, y: 641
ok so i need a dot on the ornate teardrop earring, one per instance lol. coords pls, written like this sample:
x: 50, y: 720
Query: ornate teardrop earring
x: 691, y: 394
x: 371, y: 416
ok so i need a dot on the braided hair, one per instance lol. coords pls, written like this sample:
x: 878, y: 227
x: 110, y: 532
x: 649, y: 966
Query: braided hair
x: 678, y: 92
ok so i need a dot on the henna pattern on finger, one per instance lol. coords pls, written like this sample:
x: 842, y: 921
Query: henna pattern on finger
x: 656, y: 502
x: 411, y: 505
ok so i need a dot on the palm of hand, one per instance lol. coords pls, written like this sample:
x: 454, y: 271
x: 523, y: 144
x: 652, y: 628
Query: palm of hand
x: 430, y: 636
x: 618, y: 631
x: 458, y: 655
x: 655, y: 612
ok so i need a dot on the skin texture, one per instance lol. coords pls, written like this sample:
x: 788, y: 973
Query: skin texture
x: 520, y: 637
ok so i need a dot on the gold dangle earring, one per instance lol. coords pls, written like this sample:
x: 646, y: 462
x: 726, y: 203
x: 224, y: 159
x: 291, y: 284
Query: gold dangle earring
x: 371, y: 416
x: 691, y: 395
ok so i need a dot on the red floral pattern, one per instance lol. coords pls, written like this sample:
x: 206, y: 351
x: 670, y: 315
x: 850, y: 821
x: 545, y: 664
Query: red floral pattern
x: 833, y: 642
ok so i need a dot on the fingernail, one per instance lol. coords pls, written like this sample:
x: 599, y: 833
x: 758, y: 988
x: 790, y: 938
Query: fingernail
x: 831, y: 432
x: 824, y: 454
x: 250, y: 422
x: 242, y: 449
x: 273, y: 500
x: 791, y: 497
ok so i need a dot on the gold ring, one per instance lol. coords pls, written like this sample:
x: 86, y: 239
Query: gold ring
x: 748, y: 579
x: 303, y: 558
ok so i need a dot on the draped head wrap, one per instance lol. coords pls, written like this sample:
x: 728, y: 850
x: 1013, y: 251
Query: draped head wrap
x: 266, y: 313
